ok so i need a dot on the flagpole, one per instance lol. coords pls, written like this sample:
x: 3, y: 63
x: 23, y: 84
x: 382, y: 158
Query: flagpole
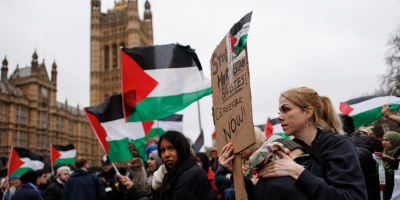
x: 9, y: 163
x: 391, y: 95
x: 51, y: 158
x: 198, y: 108
x: 118, y: 174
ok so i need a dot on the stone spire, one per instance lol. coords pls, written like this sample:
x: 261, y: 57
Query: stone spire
x: 147, y: 12
x: 4, y: 69
x: 54, y: 73
x: 34, y: 62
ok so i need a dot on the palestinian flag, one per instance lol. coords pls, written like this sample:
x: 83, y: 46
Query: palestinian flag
x: 199, y: 142
x: 367, y: 109
x: 273, y: 127
x: 62, y: 154
x: 237, y: 36
x: 114, y: 134
x: 170, y: 123
x: 214, y: 136
x: 158, y: 81
x: 22, y: 160
x: 398, y: 86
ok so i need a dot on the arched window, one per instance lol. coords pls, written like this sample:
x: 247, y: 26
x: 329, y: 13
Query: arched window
x: 114, y: 56
x: 106, y: 96
x: 106, y: 58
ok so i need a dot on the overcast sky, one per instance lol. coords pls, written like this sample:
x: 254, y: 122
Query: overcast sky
x: 335, y: 47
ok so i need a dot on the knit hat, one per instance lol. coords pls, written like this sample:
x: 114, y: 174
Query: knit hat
x: 267, y: 152
x: 12, y: 177
x: 29, y: 177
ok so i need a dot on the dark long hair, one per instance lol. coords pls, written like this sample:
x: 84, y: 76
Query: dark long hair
x: 204, y: 160
x: 214, y: 166
x: 182, y: 147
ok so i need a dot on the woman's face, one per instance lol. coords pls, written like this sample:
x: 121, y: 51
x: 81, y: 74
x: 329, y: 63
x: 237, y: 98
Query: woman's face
x: 169, y: 155
x: 292, y: 117
x: 151, y: 163
x: 246, y: 154
x: 386, y: 143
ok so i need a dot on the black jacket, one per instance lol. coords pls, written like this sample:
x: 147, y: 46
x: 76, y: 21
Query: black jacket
x: 134, y: 193
x: 365, y: 149
x: 342, y: 178
x: 27, y: 193
x: 190, y: 182
x: 83, y: 185
x: 109, y: 180
x: 54, y: 191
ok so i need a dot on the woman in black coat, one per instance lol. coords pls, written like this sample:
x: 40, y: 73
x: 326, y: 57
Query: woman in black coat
x: 29, y: 189
x: 336, y: 174
x: 185, y: 179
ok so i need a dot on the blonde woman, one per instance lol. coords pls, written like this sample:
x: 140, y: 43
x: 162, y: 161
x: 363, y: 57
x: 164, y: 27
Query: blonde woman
x: 337, y: 174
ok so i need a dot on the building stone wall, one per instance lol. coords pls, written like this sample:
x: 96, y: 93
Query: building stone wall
x: 31, y: 118
x: 119, y: 27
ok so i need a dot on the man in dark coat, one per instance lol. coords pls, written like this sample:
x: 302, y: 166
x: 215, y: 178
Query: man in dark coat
x: 29, y: 189
x: 55, y: 189
x: 365, y: 149
x: 114, y: 189
x: 83, y: 185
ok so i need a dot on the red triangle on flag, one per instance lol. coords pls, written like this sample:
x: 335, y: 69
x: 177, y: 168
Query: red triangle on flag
x: 147, y: 126
x: 345, y: 109
x: 14, y: 163
x: 55, y: 155
x: 233, y: 41
x: 99, y: 130
x: 268, y: 128
x: 136, y: 84
x: 214, y: 136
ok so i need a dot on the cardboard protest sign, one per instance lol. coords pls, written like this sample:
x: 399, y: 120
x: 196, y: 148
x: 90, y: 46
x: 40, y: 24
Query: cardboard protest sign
x: 232, y: 110
x: 230, y: 82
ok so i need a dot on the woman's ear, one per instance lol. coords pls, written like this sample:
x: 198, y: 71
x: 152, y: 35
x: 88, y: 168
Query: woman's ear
x: 309, y: 112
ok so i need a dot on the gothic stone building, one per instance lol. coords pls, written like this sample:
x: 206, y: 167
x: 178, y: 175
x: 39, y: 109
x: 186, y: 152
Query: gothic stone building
x: 31, y: 118
x: 119, y: 27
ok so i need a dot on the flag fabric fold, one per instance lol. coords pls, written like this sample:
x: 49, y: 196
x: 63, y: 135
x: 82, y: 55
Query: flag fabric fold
x: 365, y: 110
x: 199, y: 142
x: 22, y: 160
x: 114, y: 133
x: 170, y: 123
x: 158, y: 81
x: 63, y: 154
x: 238, y: 35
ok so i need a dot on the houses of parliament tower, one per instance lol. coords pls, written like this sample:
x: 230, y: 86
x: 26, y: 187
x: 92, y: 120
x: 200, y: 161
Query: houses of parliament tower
x: 119, y: 27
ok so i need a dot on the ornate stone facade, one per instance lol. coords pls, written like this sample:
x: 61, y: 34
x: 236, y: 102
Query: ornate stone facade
x: 31, y: 118
x: 120, y: 26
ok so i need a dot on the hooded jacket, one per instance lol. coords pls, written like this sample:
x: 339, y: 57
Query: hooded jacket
x: 342, y: 179
x: 27, y: 193
x: 190, y: 182
x: 83, y: 185
x: 365, y: 149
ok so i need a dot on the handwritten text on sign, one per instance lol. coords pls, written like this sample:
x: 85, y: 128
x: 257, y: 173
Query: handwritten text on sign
x: 231, y: 99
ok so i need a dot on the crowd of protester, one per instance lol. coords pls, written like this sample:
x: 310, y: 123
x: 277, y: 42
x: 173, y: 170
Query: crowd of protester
x: 328, y: 159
